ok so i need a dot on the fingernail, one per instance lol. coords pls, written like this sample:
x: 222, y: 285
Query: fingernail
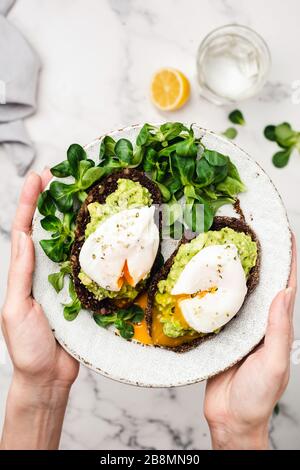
x: 46, y: 167
x: 288, y: 293
x: 21, y: 243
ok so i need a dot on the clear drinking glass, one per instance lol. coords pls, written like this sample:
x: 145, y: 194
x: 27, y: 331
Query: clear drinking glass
x: 233, y: 63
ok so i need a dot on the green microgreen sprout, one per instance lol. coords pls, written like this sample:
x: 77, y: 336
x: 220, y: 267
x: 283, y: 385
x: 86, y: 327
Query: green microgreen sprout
x: 123, y: 320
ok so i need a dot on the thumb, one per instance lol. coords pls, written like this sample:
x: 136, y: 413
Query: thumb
x: 279, y: 330
x: 21, y: 270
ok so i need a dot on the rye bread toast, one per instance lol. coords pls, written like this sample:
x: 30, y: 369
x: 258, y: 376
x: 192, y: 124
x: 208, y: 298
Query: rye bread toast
x: 237, y: 224
x: 99, y: 194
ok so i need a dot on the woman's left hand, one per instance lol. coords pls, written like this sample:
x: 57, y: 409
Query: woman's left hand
x: 43, y: 371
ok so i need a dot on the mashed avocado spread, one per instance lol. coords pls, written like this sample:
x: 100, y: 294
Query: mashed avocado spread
x: 128, y: 195
x: 165, y: 302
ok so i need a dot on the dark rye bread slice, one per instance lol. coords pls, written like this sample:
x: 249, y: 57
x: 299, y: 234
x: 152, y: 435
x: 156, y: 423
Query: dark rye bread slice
x: 239, y: 225
x: 99, y: 194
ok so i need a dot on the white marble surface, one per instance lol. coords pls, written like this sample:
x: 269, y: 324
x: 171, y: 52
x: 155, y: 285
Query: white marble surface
x: 98, y: 57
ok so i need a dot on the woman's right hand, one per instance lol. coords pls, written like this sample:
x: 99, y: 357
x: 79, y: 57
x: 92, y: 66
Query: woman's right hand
x: 239, y: 402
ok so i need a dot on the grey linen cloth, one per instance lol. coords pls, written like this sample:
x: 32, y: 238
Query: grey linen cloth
x: 19, y: 71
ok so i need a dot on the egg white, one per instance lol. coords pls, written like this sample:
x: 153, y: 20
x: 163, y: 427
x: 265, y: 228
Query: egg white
x: 216, y: 269
x: 128, y: 236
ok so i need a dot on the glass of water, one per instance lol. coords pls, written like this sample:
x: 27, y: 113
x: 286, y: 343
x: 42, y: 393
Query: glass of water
x: 233, y: 63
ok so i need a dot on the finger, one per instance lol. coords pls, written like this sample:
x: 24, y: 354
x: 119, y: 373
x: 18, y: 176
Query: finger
x: 21, y: 270
x: 293, y: 275
x: 279, y: 330
x: 46, y: 176
x: 27, y: 203
x: 293, y: 281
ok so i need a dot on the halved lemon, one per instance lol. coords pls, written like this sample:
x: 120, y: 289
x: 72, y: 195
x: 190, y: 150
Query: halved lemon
x: 170, y: 89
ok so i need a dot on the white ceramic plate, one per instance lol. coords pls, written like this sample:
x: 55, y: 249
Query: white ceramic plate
x: 146, y: 366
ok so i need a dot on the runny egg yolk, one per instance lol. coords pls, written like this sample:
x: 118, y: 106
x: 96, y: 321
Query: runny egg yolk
x: 125, y: 277
x: 141, y: 333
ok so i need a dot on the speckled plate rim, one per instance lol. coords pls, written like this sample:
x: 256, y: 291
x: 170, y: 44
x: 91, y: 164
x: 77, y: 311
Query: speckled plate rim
x: 239, y: 357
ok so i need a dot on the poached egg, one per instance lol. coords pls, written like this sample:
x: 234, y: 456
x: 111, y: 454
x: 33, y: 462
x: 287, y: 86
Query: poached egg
x: 122, y: 249
x: 211, y: 288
